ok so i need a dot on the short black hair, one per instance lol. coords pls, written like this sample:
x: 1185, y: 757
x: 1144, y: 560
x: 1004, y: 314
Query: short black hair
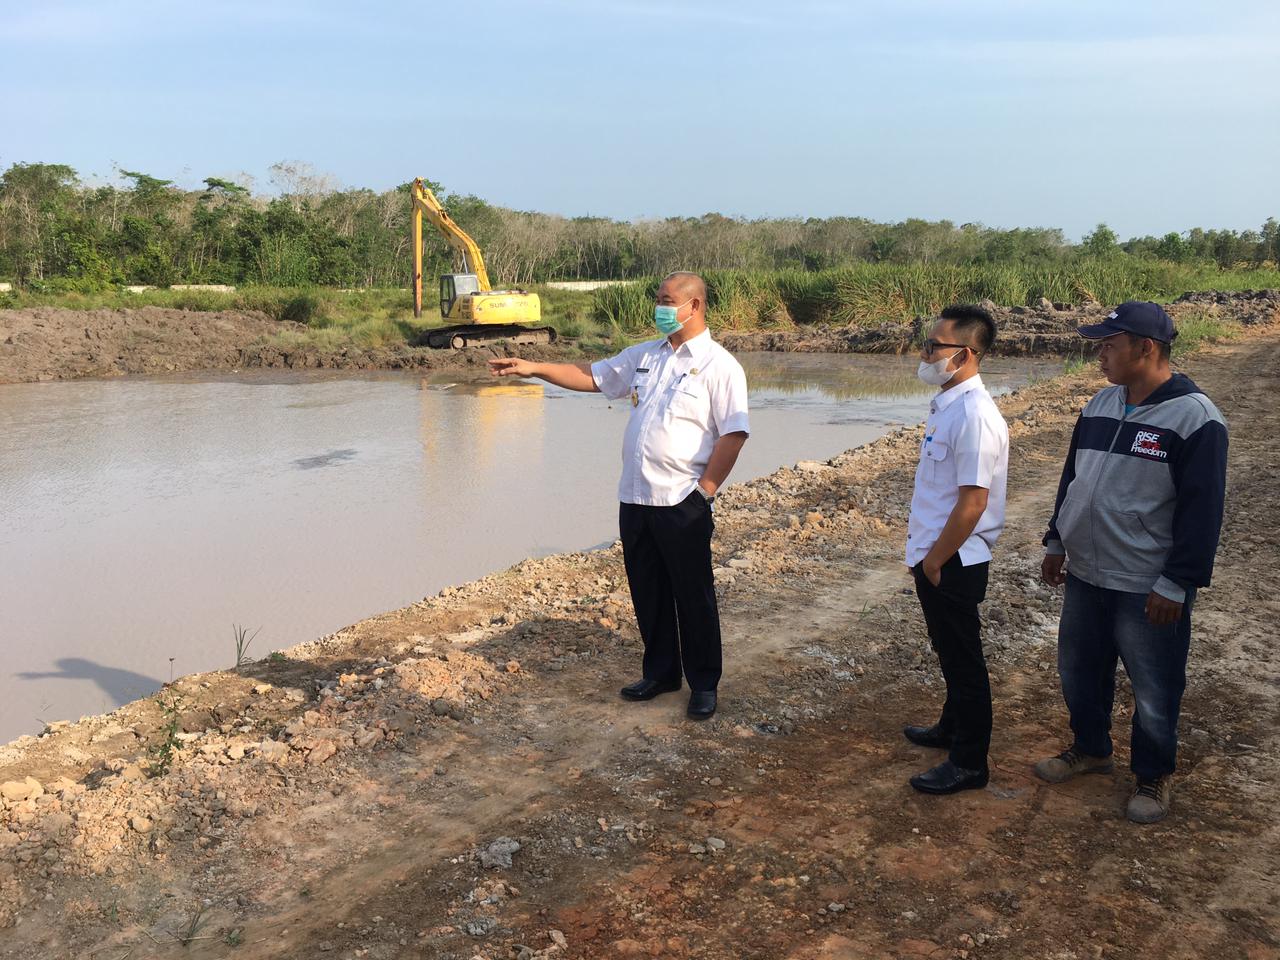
x: 1164, y: 349
x: 969, y: 318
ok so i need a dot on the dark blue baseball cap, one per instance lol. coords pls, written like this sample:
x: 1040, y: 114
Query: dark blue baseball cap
x: 1142, y: 318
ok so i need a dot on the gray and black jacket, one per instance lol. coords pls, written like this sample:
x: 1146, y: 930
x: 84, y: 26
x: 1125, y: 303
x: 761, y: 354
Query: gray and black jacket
x: 1139, y: 505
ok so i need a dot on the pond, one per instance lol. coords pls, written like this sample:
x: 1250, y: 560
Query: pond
x: 142, y: 518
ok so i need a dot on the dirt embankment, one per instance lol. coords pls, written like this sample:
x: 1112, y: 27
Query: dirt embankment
x: 459, y: 779
x: 1046, y: 328
x: 50, y: 343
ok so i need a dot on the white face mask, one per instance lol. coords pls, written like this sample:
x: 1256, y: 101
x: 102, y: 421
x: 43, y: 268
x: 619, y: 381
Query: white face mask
x: 936, y: 374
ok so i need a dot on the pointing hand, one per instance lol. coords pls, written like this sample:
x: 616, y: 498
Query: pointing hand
x: 510, y: 367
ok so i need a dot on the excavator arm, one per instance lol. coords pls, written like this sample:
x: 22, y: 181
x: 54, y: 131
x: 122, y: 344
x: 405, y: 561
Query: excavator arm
x: 474, y: 313
x: 426, y: 204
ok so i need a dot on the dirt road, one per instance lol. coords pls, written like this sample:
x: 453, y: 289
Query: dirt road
x: 365, y: 798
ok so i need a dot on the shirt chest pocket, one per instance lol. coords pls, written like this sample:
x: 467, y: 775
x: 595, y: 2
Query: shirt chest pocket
x: 688, y: 402
x: 941, y: 463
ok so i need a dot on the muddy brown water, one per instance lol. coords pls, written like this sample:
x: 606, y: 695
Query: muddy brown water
x: 140, y: 519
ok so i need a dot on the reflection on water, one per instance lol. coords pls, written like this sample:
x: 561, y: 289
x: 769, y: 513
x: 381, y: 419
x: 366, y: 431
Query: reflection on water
x: 141, y: 518
x: 474, y: 437
x: 864, y: 377
x: 856, y: 378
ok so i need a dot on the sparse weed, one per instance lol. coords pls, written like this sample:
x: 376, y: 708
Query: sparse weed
x: 870, y: 610
x: 1199, y: 328
x: 162, y: 753
x: 191, y: 932
x: 243, y: 639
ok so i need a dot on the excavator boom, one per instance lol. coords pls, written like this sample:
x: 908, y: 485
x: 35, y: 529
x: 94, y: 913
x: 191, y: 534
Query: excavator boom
x: 426, y: 204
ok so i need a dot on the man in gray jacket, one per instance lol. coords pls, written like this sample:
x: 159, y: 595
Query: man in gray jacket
x: 1137, y: 519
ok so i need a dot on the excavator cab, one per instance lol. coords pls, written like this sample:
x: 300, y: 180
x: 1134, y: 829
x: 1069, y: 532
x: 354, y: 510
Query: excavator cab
x: 453, y: 286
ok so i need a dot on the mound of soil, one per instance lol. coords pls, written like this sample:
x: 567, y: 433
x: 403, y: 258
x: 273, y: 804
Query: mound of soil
x: 51, y: 343
x: 1046, y: 328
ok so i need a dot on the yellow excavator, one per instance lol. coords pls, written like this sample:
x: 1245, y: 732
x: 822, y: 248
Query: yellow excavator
x: 473, y: 311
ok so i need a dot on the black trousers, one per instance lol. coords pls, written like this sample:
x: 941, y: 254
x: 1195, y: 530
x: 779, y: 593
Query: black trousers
x: 951, y: 614
x: 667, y: 552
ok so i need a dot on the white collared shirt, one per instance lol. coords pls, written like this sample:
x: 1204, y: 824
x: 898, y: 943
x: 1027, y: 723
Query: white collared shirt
x: 966, y: 444
x: 682, y: 402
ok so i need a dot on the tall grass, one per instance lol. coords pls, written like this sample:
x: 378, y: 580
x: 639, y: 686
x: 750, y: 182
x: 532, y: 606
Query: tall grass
x: 626, y: 307
x: 871, y: 294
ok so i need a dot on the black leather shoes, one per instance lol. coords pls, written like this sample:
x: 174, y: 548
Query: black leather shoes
x: 702, y: 704
x: 946, y: 777
x: 928, y: 737
x: 648, y: 689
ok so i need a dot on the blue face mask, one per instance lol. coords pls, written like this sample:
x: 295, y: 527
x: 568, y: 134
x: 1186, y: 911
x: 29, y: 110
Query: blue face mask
x: 664, y: 318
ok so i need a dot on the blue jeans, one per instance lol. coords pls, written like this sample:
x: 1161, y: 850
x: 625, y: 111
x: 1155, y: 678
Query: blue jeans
x: 1097, y: 627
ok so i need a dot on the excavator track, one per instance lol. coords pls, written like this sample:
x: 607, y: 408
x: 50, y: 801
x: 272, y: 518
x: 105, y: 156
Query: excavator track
x: 461, y: 336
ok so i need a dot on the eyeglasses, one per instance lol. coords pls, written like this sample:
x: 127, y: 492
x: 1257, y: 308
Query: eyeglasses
x: 931, y: 345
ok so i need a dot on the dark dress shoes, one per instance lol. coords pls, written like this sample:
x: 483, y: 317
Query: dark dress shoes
x: 702, y: 704
x: 648, y: 689
x: 946, y: 777
x: 928, y: 736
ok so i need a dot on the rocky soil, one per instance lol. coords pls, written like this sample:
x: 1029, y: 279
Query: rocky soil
x: 50, y: 343
x: 458, y: 779
x: 1047, y: 328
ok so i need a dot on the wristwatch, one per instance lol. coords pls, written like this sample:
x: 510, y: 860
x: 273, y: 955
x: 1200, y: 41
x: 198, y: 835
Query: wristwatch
x: 709, y: 497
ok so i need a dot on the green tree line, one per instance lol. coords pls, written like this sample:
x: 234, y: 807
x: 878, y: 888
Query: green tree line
x: 59, y: 233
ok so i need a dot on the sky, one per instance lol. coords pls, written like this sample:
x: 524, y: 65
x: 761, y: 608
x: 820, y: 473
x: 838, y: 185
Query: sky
x: 1150, y: 115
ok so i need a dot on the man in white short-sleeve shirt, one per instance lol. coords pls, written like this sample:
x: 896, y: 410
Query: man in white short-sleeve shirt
x: 957, y: 513
x: 688, y: 400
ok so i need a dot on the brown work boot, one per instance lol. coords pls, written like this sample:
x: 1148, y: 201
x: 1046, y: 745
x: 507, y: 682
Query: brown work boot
x: 1150, y: 800
x: 1071, y: 763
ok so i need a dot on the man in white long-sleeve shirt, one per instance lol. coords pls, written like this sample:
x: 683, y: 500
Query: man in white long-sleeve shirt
x: 688, y: 398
